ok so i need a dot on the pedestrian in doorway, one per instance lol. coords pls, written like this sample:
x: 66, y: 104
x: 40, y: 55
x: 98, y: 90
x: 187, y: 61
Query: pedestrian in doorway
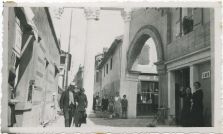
x: 124, y: 107
x: 111, y: 107
x: 186, y: 115
x: 81, y: 108
x: 67, y: 104
x: 197, y: 106
x: 117, y: 106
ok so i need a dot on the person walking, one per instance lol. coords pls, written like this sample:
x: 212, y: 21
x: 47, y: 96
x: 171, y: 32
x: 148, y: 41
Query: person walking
x: 67, y: 104
x: 124, y: 107
x: 197, y: 106
x: 186, y: 116
x: 117, y: 106
x: 82, y: 104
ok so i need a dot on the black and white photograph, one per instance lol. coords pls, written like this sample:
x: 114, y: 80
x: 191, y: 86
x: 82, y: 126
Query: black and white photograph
x: 94, y: 67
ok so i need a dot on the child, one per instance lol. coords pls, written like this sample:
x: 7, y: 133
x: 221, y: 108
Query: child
x: 124, y: 107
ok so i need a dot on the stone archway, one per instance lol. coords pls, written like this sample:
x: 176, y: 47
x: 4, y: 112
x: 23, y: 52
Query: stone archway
x: 138, y: 42
x: 134, y: 50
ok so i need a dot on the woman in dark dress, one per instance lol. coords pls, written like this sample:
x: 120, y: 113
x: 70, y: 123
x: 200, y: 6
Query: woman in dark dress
x: 185, y: 116
x: 197, y: 106
x: 80, y: 114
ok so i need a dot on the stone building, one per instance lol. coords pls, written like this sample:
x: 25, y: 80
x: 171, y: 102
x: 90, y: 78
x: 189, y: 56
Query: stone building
x: 33, y: 58
x: 107, y: 79
x: 183, y: 43
x: 109, y: 68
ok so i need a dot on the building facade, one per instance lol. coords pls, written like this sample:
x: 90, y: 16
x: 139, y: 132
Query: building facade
x: 33, y: 56
x: 183, y: 43
x: 109, y: 71
x: 78, y: 79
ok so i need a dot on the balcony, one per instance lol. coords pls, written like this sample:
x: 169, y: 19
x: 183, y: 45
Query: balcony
x: 197, y: 39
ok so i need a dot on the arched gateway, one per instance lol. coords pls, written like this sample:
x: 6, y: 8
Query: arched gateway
x: 143, y: 34
x: 138, y: 42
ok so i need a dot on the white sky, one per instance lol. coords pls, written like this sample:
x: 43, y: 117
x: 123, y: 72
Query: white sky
x: 109, y: 25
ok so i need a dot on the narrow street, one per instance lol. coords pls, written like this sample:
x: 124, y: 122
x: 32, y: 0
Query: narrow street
x: 106, y: 122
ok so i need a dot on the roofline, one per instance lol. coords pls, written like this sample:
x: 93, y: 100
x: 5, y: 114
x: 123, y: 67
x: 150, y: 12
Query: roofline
x: 109, y: 52
x: 52, y: 28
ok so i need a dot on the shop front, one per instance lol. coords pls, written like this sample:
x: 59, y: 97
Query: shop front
x: 147, y: 95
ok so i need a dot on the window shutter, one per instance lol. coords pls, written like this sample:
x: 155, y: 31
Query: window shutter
x: 178, y: 23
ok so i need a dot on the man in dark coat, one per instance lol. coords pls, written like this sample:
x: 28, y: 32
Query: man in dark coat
x: 197, y: 106
x: 67, y: 105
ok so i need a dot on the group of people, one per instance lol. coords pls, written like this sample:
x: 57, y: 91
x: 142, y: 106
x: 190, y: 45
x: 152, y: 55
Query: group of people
x: 73, y: 103
x: 115, y: 106
x: 192, y: 111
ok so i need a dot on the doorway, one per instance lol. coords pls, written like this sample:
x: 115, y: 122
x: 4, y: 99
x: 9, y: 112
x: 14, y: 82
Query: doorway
x: 182, y: 79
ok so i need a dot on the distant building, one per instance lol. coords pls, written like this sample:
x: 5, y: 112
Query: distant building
x: 33, y: 64
x: 78, y: 79
x: 65, y: 63
x: 109, y: 74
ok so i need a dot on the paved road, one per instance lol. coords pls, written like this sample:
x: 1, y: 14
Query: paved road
x: 105, y: 122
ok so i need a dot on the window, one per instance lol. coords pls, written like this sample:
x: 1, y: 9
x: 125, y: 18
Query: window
x: 111, y: 64
x: 97, y: 76
x: 107, y: 68
x: 178, y: 22
x: 198, y: 16
x: 18, y: 38
x: 62, y: 59
x: 185, y: 21
x: 104, y: 70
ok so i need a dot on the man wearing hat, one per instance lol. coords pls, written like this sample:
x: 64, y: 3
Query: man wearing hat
x: 67, y: 104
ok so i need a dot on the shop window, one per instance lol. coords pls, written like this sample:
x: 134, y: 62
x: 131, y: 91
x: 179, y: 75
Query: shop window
x: 147, y: 98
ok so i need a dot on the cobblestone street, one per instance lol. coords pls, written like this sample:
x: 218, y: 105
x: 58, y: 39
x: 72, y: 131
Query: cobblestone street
x: 105, y: 122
